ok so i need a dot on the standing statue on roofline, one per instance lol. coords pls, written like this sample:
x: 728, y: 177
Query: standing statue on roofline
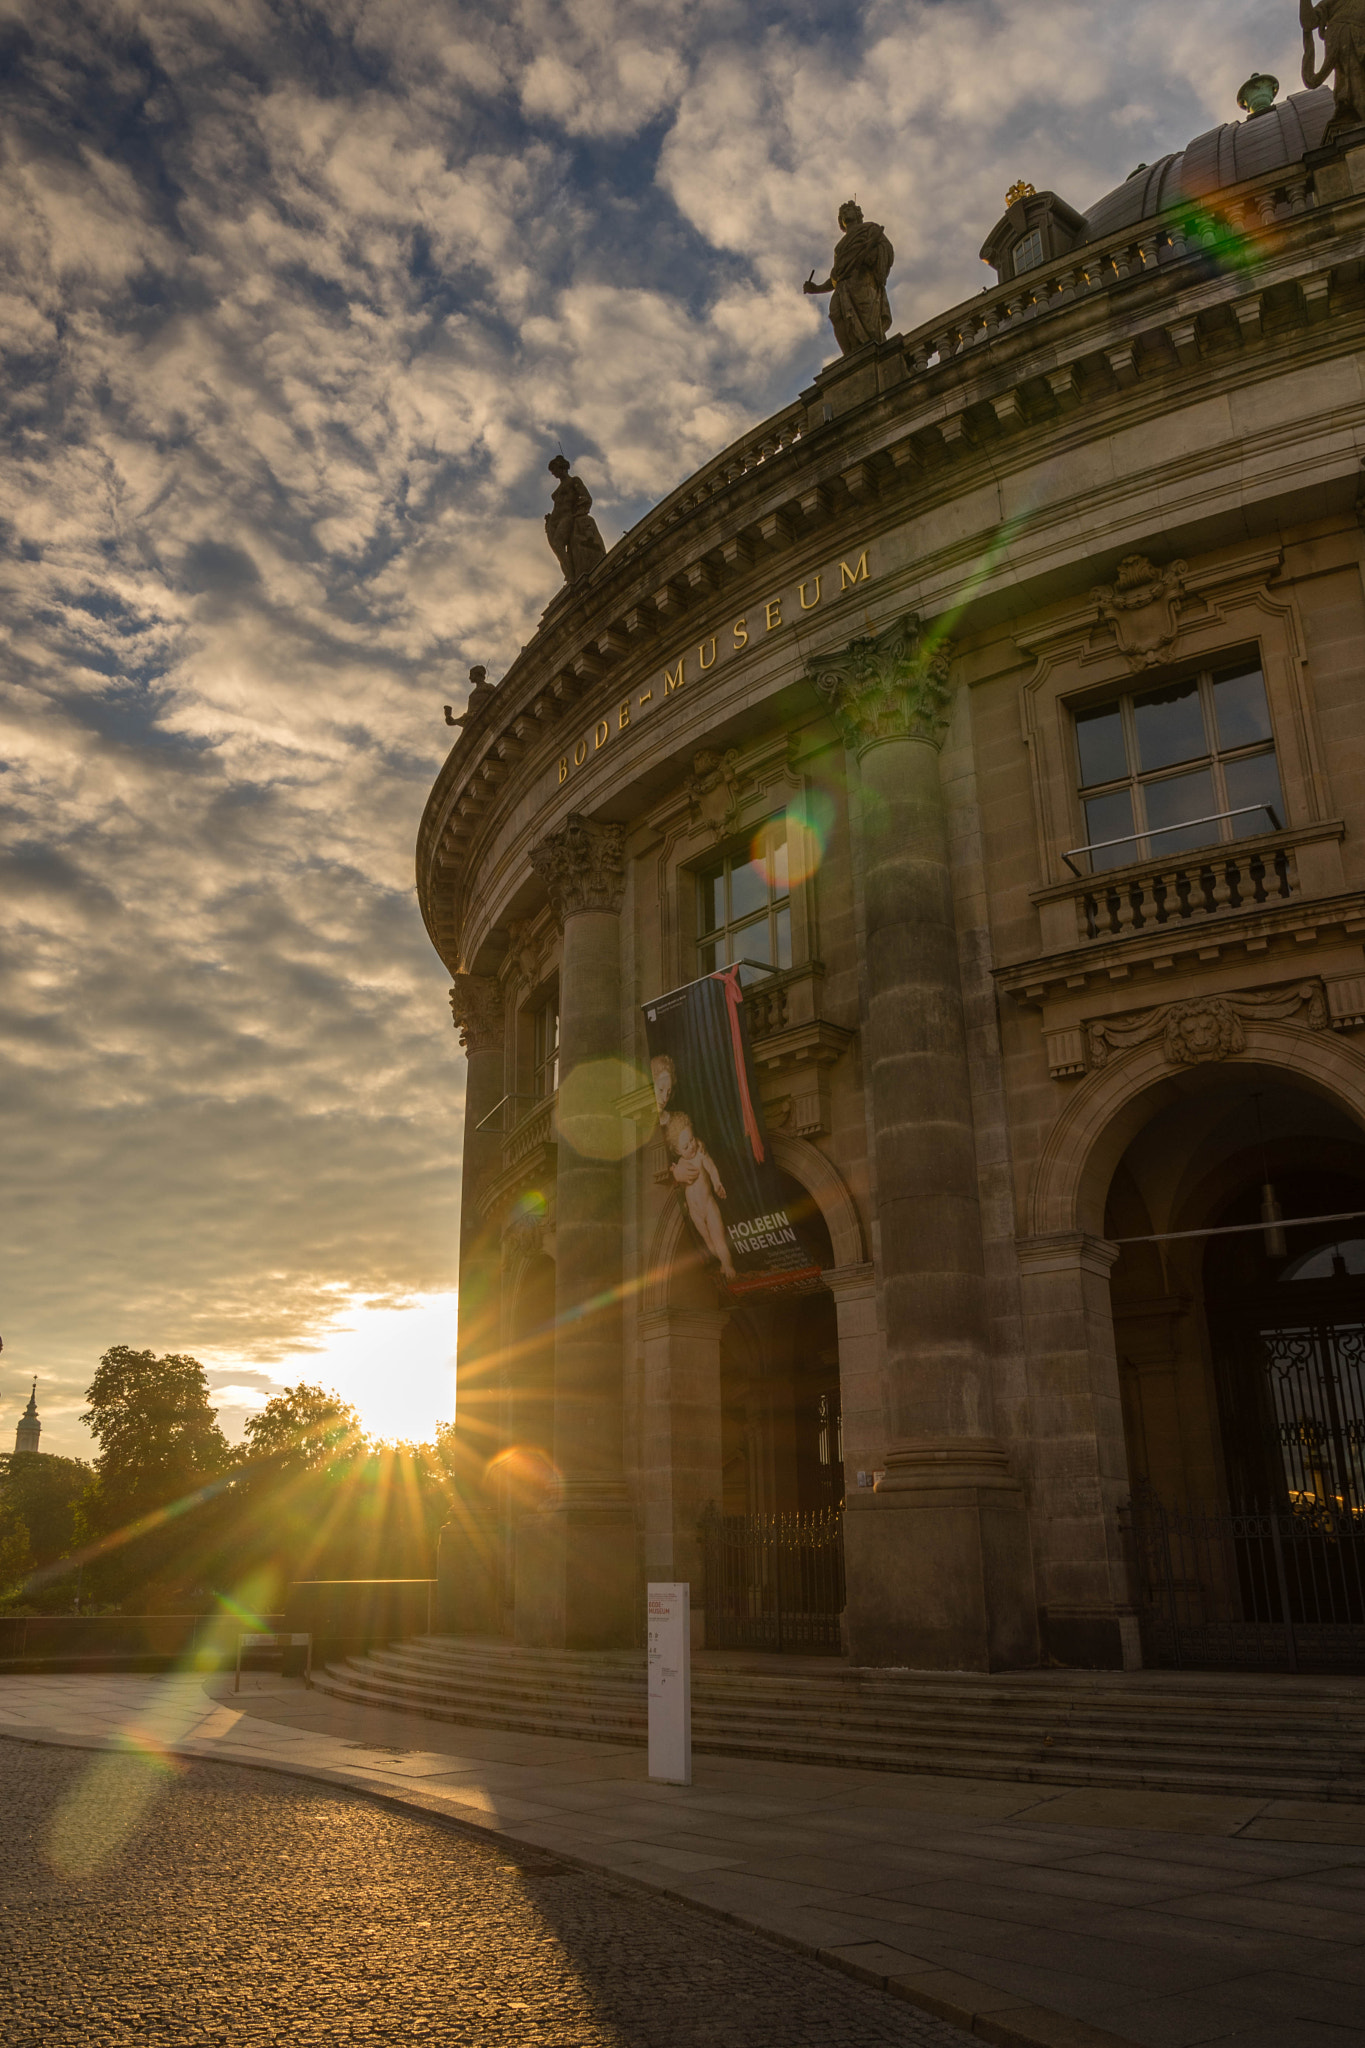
x: 859, y: 311
x: 569, y: 525
x: 1341, y: 24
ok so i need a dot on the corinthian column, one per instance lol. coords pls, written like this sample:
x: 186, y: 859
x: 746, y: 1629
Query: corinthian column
x: 937, y: 1557
x: 469, y: 1552
x: 576, y: 1575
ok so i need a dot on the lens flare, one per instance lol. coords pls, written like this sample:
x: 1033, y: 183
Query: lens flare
x: 105, y: 1807
x: 591, y: 1114
x: 1225, y: 249
x: 523, y: 1473
x: 810, y: 822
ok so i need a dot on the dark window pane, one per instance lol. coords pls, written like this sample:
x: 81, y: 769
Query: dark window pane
x: 1110, y: 817
x: 1028, y: 253
x: 1170, y: 803
x: 711, y: 898
x: 783, y: 921
x: 1099, y: 737
x: 1170, y: 726
x: 1240, y: 708
x: 752, y: 941
x: 711, y: 955
x: 748, y: 888
x: 1255, y: 780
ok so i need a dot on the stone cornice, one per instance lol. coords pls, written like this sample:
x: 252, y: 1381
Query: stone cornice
x: 583, y: 866
x: 1059, y: 367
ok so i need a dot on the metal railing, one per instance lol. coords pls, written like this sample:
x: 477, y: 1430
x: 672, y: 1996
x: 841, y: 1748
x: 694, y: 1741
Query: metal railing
x: 774, y: 1582
x: 1157, y: 832
x: 1252, y: 1588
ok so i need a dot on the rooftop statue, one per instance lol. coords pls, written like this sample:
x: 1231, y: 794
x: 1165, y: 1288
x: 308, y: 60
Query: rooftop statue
x: 1341, y: 24
x: 569, y: 525
x: 858, y: 312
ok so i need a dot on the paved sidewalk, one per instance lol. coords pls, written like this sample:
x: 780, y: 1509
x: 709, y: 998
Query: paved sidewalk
x: 1032, y: 1917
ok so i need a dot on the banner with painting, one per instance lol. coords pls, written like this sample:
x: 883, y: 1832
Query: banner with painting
x: 719, y: 1154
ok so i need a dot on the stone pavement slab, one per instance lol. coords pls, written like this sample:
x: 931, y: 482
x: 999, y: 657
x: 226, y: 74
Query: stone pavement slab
x: 1036, y: 1918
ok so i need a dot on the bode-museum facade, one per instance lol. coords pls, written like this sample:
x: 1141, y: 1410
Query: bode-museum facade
x: 996, y: 712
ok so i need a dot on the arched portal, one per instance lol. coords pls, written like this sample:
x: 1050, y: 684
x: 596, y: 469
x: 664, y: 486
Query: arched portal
x: 781, y: 1405
x: 1134, y: 1393
x: 1238, y: 1342
x: 745, y: 1407
x: 1238, y: 1301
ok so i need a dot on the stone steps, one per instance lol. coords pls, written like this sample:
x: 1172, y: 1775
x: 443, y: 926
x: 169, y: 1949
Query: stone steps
x: 1259, y: 1736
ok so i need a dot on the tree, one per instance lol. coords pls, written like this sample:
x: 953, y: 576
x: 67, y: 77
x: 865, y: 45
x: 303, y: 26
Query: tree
x: 301, y: 1429
x: 160, y: 1445
x: 43, y: 1493
x: 158, y: 1437
x: 15, y: 1557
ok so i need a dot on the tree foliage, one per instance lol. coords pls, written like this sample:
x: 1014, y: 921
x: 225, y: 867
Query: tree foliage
x: 44, y: 1492
x: 303, y: 1429
x: 15, y: 1556
x: 174, y: 1517
x: 159, y: 1439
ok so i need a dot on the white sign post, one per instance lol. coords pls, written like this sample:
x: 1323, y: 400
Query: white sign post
x: 670, y: 1684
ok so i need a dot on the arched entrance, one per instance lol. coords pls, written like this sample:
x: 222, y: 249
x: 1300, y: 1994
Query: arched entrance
x: 745, y: 1409
x: 781, y: 1407
x: 1240, y: 1341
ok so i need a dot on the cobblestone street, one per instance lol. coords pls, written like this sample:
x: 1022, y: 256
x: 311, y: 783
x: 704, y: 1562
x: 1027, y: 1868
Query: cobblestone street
x: 152, y: 1900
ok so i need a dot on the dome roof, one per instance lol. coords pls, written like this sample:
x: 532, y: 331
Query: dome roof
x: 1224, y: 156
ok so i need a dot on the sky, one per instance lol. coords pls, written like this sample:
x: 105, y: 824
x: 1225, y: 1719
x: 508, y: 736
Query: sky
x: 296, y: 302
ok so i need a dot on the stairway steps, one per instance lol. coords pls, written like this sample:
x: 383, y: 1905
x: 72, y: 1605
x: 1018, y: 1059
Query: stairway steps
x: 1041, y: 1766
x: 892, y: 1716
x: 1256, y: 1737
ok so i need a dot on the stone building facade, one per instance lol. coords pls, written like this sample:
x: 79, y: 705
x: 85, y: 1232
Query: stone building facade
x: 1004, y: 693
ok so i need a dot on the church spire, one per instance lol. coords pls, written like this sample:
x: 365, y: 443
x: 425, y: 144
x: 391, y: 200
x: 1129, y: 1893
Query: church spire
x: 30, y: 1428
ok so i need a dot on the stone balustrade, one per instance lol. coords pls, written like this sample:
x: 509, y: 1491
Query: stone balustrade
x: 1210, y: 882
x: 537, y: 1128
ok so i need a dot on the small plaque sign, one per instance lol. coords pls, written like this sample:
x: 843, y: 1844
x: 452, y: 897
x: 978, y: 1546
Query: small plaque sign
x: 670, y: 1684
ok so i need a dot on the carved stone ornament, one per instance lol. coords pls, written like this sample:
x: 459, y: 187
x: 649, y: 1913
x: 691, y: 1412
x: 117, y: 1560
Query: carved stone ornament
x: 892, y: 685
x: 477, y: 1008
x: 523, y: 951
x: 583, y: 866
x: 1207, y: 1027
x: 1143, y: 607
x: 713, y: 790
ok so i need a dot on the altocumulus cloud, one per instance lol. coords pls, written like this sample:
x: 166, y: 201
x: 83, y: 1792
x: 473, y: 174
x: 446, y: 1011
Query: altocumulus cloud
x: 293, y: 304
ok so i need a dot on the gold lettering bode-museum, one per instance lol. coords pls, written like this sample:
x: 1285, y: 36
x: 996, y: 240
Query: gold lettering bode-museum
x: 674, y: 678
x: 1009, y: 814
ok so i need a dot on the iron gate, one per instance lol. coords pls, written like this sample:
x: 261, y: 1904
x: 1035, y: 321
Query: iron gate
x: 774, y: 1582
x: 1265, y: 1588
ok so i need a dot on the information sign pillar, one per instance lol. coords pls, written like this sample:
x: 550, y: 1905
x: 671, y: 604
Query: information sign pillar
x: 670, y: 1684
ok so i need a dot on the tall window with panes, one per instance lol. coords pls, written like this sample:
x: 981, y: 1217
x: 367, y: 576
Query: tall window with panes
x: 744, y: 907
x: 1187, y: 765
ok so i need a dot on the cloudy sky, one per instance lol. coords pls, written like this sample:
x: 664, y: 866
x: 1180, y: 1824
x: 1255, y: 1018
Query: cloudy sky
x: 296, y: 301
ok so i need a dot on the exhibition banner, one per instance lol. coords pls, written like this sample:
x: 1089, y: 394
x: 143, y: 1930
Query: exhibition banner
x: 719, y: 1155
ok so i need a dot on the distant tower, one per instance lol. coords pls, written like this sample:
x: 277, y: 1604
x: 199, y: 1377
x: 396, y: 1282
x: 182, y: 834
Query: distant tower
x: 29, y: 1430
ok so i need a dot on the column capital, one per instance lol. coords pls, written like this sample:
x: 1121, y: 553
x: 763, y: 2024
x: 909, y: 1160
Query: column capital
x: 583, y: 866
x: 891, y: 685
x: 476, y: 1006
